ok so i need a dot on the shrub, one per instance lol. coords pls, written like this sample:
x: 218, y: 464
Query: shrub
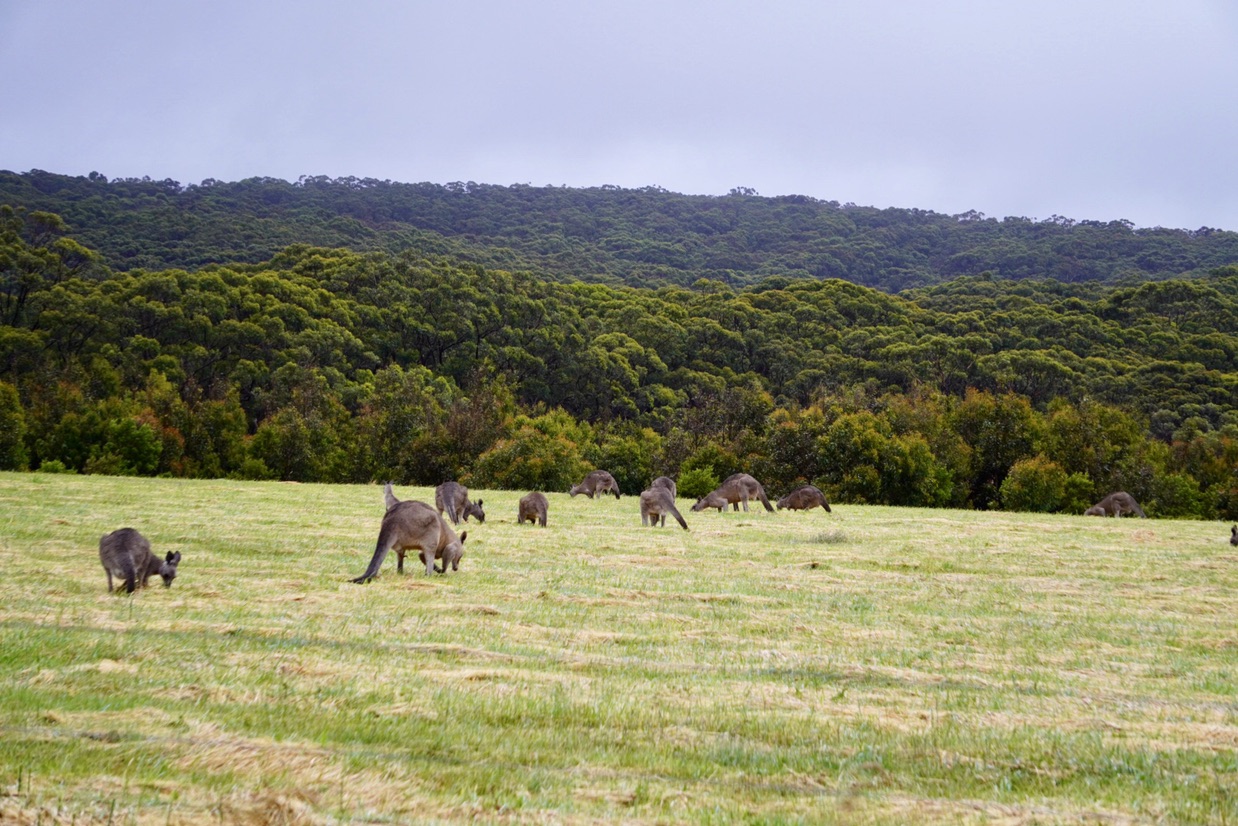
x: 696, y: 482
x: 1036, y: 484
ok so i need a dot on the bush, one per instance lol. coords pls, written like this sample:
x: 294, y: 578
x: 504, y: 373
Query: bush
x: 696, y: 482
x: 1036, y: 484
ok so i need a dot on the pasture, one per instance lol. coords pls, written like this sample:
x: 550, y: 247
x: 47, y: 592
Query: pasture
x: 874, y: 665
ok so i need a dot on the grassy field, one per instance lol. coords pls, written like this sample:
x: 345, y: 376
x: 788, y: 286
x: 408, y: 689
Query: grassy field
x: 873, y: 665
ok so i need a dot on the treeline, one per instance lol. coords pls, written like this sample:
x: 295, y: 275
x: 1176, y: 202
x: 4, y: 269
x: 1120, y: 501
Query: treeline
x: 332, y: 365
x: 641, y: 237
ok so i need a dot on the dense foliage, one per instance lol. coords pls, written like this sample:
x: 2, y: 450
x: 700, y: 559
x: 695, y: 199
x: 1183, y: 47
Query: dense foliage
x: 644, y: 237
x: 334, y: 365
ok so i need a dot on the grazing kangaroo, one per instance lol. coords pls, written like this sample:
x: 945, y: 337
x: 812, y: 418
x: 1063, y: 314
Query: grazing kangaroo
x: 665, y: 482
x: 416, y: 525
x: 655, y: 504
x: 533, y: 507
x: 126, y: 554
x: 805, y: 498
x: 736, y: 490
x: 1233, y: 536
x: 1116, y: 504
x: 454, y: 498
x: 597, y: 483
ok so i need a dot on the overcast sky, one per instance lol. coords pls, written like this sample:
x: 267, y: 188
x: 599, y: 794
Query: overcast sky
x: 1090, y: 109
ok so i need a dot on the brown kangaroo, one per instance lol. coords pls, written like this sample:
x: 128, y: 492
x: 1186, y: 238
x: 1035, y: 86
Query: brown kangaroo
x: 805, y: 498
x: 736, y: 490
x: 655, y: 504
x: 597, y: 483
x: 454, y: 498
x: 533, y: 507
x: 126, y: 554
x: 1116, y: 504
x: 415, y: 525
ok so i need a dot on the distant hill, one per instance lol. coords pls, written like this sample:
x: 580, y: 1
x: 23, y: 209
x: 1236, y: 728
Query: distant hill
x: 640, y: 237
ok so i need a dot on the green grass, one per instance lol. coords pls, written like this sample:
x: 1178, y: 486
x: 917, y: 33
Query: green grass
x: 874, y: 665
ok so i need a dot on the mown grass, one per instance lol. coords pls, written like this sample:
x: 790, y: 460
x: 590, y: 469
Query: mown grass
x: 874, y: 665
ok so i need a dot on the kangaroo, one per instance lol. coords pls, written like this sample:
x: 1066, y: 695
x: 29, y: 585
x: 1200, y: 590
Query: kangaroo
x: 713, y: 499
x: 125, y: 554
x: 1233, y: 536
x: 736, y: 490
x: 597, y: 483
x: 655, y: 504
x: 665, y: 482
x: 532, y: 507
x: 805, y: 498
x: 412, y: 524
x: 1116, y: 504
x: 454, y: 498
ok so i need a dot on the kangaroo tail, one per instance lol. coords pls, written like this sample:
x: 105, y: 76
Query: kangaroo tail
x: 380, y: 553
x: 764, y: 500
x: 675, y: 512
x: 130, y: 572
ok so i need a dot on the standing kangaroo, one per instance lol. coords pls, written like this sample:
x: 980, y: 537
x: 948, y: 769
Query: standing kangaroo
x: 454, y: 498
x: 655, y: 504
x: 597, y: 483
x: 1116, y: 504
x: 533, y: 507
x: 736, y: 490
x: 415, y: 525
x: 126, y: 554
x: 805, y: 498
x: 1233, y: 536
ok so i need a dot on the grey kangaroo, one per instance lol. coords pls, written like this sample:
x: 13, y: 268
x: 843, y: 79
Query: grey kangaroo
x: 533, y: 507
x: 736, y: 490
x: 655, y: 504
x: 454, y: 498
x: 415, y: 525
x: 595, y: 484
x: 126, y: 555
x: 1233, y: 536
x: 1116, y: 504
x: 805, y: 498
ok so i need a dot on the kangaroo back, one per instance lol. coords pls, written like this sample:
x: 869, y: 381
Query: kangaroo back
x: 117, y: 551
x: 665, y: 482
x: 656, y: 503
x: 533, y: 507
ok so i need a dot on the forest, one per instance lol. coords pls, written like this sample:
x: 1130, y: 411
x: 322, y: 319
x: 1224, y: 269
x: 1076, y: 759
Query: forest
x: 367, y: 362
x: 640, y: 237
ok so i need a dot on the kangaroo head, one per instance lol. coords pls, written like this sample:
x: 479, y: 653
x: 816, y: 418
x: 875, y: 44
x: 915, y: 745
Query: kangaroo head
x: 478, y: 512
x: 168, y: 569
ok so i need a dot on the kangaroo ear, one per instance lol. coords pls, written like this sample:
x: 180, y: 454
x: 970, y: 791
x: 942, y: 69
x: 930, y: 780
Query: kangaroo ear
x: 479, y: 503
x: 168, y: 558
x: 463, y: 536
